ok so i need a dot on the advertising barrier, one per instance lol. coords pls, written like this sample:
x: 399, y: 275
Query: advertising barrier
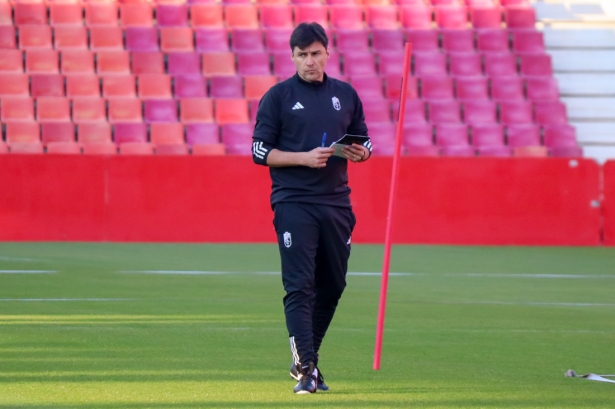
x: 608, y: 203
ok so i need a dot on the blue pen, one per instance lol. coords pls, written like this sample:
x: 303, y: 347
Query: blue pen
x: 324, y: 140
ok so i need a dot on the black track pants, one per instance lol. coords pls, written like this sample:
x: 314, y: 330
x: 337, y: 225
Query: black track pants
x: 314, y: 242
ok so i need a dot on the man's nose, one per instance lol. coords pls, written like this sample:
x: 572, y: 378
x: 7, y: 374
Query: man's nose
x: 310, y: 60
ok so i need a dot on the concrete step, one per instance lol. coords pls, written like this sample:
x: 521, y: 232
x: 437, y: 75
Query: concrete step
x: 590, y: 109
x: 579, y: 85
x: 595, y: 133
x: 583, y: 61
x: 600, y: 153
x: 574, y: 10
x: 578, y: 38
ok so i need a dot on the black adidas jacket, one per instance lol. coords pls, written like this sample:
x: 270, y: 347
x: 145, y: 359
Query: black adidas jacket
x: 292, y: 117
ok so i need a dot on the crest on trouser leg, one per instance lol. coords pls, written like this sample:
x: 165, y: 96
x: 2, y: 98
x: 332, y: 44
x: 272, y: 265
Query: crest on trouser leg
x: 287, y: 239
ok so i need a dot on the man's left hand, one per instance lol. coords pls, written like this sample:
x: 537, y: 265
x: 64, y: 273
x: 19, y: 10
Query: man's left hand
x: 355, y: 152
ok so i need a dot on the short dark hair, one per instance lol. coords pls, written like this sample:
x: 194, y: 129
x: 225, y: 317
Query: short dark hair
x: 307, y: 33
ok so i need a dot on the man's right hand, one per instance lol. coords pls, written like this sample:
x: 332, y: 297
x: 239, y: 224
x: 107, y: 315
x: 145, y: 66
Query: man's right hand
x: 317, y: 157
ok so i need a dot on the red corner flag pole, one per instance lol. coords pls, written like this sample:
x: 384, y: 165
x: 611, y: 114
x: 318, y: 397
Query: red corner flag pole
x: 392, y: 193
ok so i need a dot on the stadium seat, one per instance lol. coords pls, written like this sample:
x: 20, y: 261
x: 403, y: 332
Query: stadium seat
x: 141, y: 39
x: 507, y: 88
x: 63, y: 148
x: 129, y: 132
x: 136, y: 148
x: 486, y: 17
x: 417, y: 134
x: 542, y: 88
x: 423, y: 40
x: 500, y: 65
x: 413, y: 17
x: 536, y: 65
x: 26, y: 148
x: 209, y: 149
x: 190, y: 86
x: 46, y: 85
x: 479, y: 111
x: 352, y: 40
x: 102, y: 148
x: 390, y: 63
x: 172, y: 15
x: 29, y: 13
x: 241, y: 16
x: 256, y: 86
x: 492, y: 41
x: 237, y: 138
x: 520, y: 17
x: 312, y: 12
x: 550, y: 112
x: 52, y: 109
x: 560, y: 135
x: 136, y: 15
x: 11, y: 61
x: 333, y: 66
x: 528, y: 41
x: 196, y: 110
x: 453, y: 139
x: 57, y: 132
x: 369, y: 88
x: 451, y: 17
x: 283, y: 67
x: 154, y: 86
x: 82, y: 86
x: 471, y: 88
x: 76, y: 62
x: 226, y: 87
x: 6, y: 14
x: 118, y: 86
x: 253, y: 64
x: 523, y: 135
x: 70, y: 38
x: 7, y: 37
x: 166, y: 133
x: 183, y: 63
x: 437, y: 87
x: 22, y: 132
x: 444, y: 111
x: 231, y: 110
x: 515, y: 112
x: 382, y: 17
x: 14, y: 85
x: 494, y: 150
x: 487, y: 134
x: 101, y: 14
x: 171, y: 149
x: 113, y: 62
x: 125, y: 110
x: 247, y: 40
x: 202, y: 133
x: 280, y: 16
x: 378, y: 110
x: 465, y: 64
x: 89, y: 110
x: 383, y: 138
x: 531, y: 151
x: 206, y: 15
x: 348, y: 16
x: 359, y: 63
x: 34, y: 36
x: 458, y: 41
x: 97, y: 132
x: 392, y: 87
x: 276, y: 39
x: 176, y: 39
x: 147, y: 63
x: 65, y: 14
x: 253, y: 109
x: 415, y: 111
x: 211, y: 40
x: 220, y: 63
x: 17, y: 109
x: 42, y: 62
x: 387, y: 40
x: 106, y: 38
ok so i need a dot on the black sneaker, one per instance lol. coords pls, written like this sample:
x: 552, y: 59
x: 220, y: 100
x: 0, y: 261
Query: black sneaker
x: 320, y: 381
x: 307, y: 379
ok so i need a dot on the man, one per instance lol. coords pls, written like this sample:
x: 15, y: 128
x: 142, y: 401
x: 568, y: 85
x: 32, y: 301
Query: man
x: 297, y: 120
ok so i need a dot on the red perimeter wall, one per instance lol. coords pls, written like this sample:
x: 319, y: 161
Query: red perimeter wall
x: 226, y: 199
x: 608, y: 203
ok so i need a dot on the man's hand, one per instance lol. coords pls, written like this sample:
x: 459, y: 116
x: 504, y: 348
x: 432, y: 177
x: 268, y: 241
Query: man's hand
x: 355, y: 152
x: 317, y: 157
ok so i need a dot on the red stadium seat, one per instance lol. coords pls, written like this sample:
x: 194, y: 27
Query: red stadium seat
x: 206, y: 15
x: 213, y: 149
x: 30, y: 13
x: 560, y: 135
x: 471, y: 88
x: 220, y: 63
x: 520, y: 17
x: 147, y: 63
x: 276, y: 39
x: 312, y: 12
x: 347, y: 16
x: 65, y: 14
x: 383, y: 137
x: 172, y: 15
x: 176, y: 39
x: 17, y: 109
x: 423, y: 40
x: 101, y: 14
x: 34, y: 36
x: 390, y: 63
x: 241, y: 16
x: 196, y: 110
x: 190, y: 86
x: 253, y: 64
x: 531, y: 151
x: 57, y: 132
x: 82, y: 86
x: 280, y: 16
x: 22, y: 132
x: 226, y: 87
x: 256, y: 86
x: 183, y: 63
x: 542, y: 88
x: 171, y: 149
x: 414, y: 17
x: 378, y: 110
x: 414, y: 113
x: 333, y: 66
x: 125, y: 110
x: 202, y: 133
x: 368, y: 88
x: 237, y: 138
x: 26, y: 148
x: 47, y: 85
x: 247, y: 40
x: 70, y: 38
x: 515, y: 112
x: 437, y: 87
x: 52, y: 109
x: 141, y: 39
x: 465, y: 64
x: 11, y: 61
x: 231, y: 111
x: 166, y: 133
x: 283, y: 67
x: 392, y: 87
x: 97, y: 132
x: 76, y: 62
x: 550, y: 112
x: 6, y: 14
x: 536, y: 65
x: 417, y: 134
x: 86, y: 110
x: 14, y: 85
x: 444, y: 111
x: 211, y: 40
x: 136, y: 14
x: 63, y: 148
x: 507, y: 88
x: 486, y: 17
x: 382, y: 17
x: 500, y: 65
x: 99, y: 148
x: 129, y: 132
x: 359, y: 63
x: 479, y: 111
x: 453, y: 138
x: 523, y: 135
x: 352, y: 40
x: 487, y: 134
x: 42, y: 62
x: 136, y: 148
x: 492, y: 41
x: 387, y: 40
x: 113, y: 62
x: 154, y: 86
x: 106, y: 38
x: 454, y: 17
x: 7, y: 37
x: 118, y: 86
x: 458, y: 41
x: 528, y: 41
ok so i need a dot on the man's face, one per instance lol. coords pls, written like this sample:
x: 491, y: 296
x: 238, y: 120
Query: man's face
x: 311, y: 61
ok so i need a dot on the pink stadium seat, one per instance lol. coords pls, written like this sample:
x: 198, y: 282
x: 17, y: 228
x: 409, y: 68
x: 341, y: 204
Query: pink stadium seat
x: 528, y: 41
x: 47, y: 85
x: 207, y: 15
x: 550, y: 112
x: 352, y: 40
x: 390, y: 63
x: 52, y: 109
x: 515, y: 112
x: 141, y: 39
x: 226, y: 87
x: 202, y: 133
x: 276, y: 39
x: 30, y: 13
x: 486, y: 17
x: 523, y: 135
x: 106, y: 38
x: 96, y: 132
x: 392, y: 87
x: 536, y: 65
x: 312, y: 12
x: 453, y: 138
x: 190, y: 86
x: 70, y: 38
x: 368, y: 88
x: 209, y: 149
x: 465, y: 64
x: 7, y: 37
x: 520, y: 17
x: 42, y: 62
x: 86, y: 110
x: 531, y: 151
x: 494, y: 150
x: 567, y: 151
x: 423, y: 40
x: 487, y: 134
x: 118, y: 86
x: 103, y: 13
x: 57, y: 132
x: 237, y: 138
x: 479, y: 111
x: 256, y: 86
x: 387, y: 40
x: 453, y: 16
x: 176, y: 39
x: 154, y: 86
x: 359, y: 63
x: 383, y: 137
x: 17, y: 109
x: 414, y: 17
x: 113, y: 62
x: 542, y: 88
x: 136, y: 14
x: 34, y: 36
x: 347, y: 16
x: 492, y: 41
x: 560, y: 135
x: 26, y: 148
x: 507, y: 88
x: 6, y: 14
x: 147, y: 63
x: 241, y: 16
x: 253, y: 109
x: 444, y: 2
x: 284, y: 68
x: 125, y: 110
x: 333, y: 66
x: 253, y: 64
x: 196, y: 110
x: 219, y: 63
x: 247, y: 40
x: 171, y: 149
x: 471, y: 88
x: 99, y: 148
x: 211, y: 40
x: 14, y: 85
x: 521, y: 3
x: 11, y: 61
x: 172, y: 15
x: 166, y: 133
x: 458, y: 41
x: 129, y: 132
x: 280, y: 16
x: 414, y: 113
x: 22, y: 132
x: 233, y: 110
x: 136, y: 148
x: 65, y: 14
x: 444, y: 111
x: 83, y: 86
x: 500, y: 65
x: 76, y: 62
x: 63, y: 148
x: 183, y: 63
x: 417, y: 134
x: 437, y: 87
x: 382, y: 17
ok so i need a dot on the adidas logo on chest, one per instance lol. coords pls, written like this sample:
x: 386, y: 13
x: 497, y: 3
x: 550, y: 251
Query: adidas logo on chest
x: 298, y: 106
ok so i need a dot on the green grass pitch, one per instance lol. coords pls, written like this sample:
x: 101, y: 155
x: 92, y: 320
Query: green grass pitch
x: 471, y: 327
